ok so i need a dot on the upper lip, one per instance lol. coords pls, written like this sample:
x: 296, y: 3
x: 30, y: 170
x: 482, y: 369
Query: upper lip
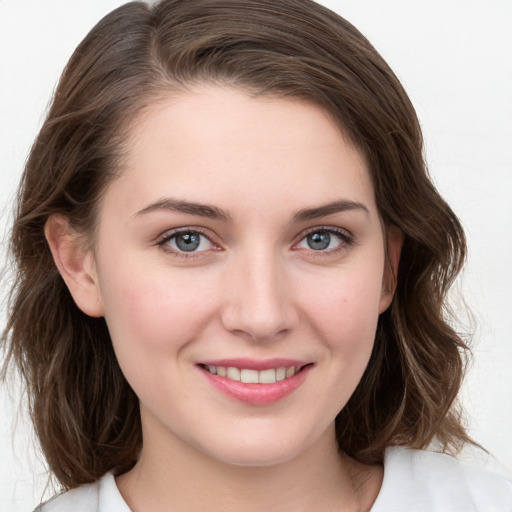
x: 256, y: 364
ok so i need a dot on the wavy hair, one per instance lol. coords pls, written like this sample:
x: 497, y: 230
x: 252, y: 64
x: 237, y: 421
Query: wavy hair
x: 85, y: 414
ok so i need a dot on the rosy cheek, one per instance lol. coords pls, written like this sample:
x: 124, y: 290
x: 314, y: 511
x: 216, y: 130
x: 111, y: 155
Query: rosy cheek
x: 161, y: 313
x: 345, y: 310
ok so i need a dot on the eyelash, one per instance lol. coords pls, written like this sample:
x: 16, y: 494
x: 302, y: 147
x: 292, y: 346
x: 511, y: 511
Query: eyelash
x: 168, y: 236
x: 347, y: 240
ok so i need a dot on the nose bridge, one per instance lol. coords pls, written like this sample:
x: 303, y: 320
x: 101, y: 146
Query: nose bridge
x: 259, y: 303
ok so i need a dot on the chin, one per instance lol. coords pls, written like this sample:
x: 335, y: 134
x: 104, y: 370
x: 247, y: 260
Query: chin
x: 259, y: 451
x: 257, y: 456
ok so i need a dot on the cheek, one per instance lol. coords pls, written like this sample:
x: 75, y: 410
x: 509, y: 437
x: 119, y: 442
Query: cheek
x: 154, y: 309
x: 344, y: 308
x: 152, y: 319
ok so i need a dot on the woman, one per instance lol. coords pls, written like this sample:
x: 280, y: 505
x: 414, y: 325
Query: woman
x: 232, y: 269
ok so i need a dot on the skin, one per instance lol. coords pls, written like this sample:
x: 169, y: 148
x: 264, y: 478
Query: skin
x: 254, y: 288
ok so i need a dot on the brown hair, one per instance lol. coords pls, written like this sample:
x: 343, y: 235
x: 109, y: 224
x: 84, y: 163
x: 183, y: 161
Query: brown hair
x: 85, y: 414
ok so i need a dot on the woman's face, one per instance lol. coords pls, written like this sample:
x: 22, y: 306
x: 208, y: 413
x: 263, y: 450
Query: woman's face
x: 241, y: 241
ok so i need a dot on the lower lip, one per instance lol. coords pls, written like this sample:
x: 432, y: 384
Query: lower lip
x: 257, y: 394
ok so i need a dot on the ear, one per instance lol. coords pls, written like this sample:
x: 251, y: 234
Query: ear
x: 395, y: 240
x: 75, y: 263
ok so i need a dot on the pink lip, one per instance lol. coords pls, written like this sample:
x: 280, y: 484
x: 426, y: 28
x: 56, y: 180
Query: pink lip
x: 254, y: 364
x: 256, y: 394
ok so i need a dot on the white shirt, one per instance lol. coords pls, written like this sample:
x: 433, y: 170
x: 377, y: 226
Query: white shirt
x: 414, y: 481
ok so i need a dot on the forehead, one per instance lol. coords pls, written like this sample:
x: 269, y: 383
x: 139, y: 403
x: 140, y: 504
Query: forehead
x: 221, y: 144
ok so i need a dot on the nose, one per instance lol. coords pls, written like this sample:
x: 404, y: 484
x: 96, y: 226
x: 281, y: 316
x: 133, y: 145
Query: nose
x: 259, y: 303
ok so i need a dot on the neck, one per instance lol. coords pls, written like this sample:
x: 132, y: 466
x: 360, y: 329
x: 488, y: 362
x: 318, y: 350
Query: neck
x: 182, y: 478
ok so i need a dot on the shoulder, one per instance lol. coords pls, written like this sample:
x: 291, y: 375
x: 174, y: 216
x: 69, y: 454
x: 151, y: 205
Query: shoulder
x: 422, y: 481
x: 81, y: 499
x: 100, y: 496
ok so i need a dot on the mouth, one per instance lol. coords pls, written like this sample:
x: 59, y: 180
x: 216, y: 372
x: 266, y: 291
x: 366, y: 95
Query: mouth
x: 251, y: 376
x: 256, y: 383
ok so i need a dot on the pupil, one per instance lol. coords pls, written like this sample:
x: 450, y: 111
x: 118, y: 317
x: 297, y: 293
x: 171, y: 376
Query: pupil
x: 319, y: 241
x: 188, y: 241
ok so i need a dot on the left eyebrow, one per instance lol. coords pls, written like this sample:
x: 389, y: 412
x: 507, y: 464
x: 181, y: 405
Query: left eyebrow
x: 342, y: 205
x: 198, y: 209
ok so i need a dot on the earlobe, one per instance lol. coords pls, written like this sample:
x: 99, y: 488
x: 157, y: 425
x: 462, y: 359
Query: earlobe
x: 75, y: 263
x: 395, y: 240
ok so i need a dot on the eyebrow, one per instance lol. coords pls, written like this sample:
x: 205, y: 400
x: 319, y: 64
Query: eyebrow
x: 201, y: 210
x: 342, y: 205
x: 213, y: 212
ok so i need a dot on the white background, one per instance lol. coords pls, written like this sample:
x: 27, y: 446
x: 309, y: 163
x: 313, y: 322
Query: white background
x: 454, y: 59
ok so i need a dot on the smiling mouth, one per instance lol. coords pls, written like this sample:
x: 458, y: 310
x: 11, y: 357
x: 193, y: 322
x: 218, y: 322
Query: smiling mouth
x: 249, y: 376
x: 253, y: 382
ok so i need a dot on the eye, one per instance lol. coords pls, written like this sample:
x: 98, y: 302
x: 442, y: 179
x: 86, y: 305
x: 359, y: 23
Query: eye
x: 188, y: 241
x: 325, y: 239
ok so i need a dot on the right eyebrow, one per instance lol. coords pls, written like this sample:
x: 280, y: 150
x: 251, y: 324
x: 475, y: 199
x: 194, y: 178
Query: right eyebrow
x: 199, y: 209
x: 342, y: 205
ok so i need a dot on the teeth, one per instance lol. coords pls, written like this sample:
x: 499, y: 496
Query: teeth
x: 233, y: 373
x: 247, y: 376
x: 289, y: 372
x: 267, y: 376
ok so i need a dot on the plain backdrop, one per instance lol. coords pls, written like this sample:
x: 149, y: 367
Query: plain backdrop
x: 454, y: 59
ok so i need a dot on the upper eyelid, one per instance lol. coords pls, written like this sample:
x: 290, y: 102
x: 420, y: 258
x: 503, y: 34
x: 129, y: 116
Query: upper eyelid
x: 170, y: 233
x: 331, y: 229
